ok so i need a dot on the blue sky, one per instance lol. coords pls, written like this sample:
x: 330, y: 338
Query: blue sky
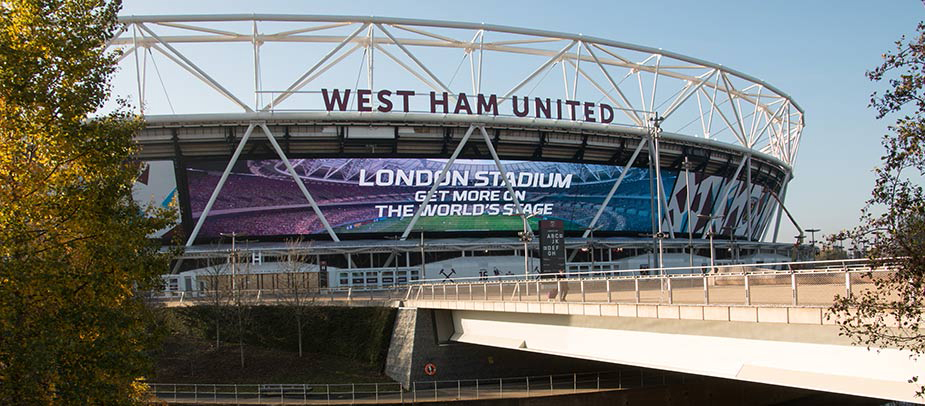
x: 816, y: 51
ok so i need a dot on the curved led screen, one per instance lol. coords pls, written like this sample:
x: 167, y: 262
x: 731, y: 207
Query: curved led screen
x: 382, y: 195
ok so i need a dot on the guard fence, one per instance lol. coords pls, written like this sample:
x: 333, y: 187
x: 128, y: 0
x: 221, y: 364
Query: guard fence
x: 811, y: 283
x: 419, y: 391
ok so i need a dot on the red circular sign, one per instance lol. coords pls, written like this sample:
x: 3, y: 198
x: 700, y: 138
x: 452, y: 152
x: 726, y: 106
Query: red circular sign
x: 430, y: 369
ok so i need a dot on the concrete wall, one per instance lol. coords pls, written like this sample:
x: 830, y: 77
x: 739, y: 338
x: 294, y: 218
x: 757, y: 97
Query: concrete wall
x: 421, y: 336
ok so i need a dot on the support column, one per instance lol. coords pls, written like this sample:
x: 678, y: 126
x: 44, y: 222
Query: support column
x: 221, y: 183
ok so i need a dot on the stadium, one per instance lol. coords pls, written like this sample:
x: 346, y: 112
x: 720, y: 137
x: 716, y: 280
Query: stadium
x: 383, y: 149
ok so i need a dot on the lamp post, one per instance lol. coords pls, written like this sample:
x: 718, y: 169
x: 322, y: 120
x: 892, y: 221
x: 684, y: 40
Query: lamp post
x: 690, y: 231
x: 234, y: 259
x: 423, y: 267
x: 591, y: 231
x: 526, y: 236
x: 712, y: 218
x: 812, y: 239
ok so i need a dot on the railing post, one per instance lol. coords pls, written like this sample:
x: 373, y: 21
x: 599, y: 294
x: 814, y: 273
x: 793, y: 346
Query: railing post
x: 636, y: 283
x: 174, y: 392
x: 528, y: 386
x: 551, y: 387
x: 435, y: 390
x: 598, y: 381
x: 793, y: 287
x: 328, y: 391
x: 485, y: 290
x: 196, y: 392
x: 414, y: 392
x: 748, y: 290
x: 581, y: 285
x: 847, y: 283
x: 458, y: 389
x: 538, y: 296
x: 456, y: 286
x: 470, y: 291
x: 377, y: 392
x: 670, y: 292
x: 574, y: 382
x: 444, y: 292
x: 609, y: 297
x: 706, y: 290
x: 501, y: 388
x: 349, y: 293
x: 476, y: 388
x: 304, y: 392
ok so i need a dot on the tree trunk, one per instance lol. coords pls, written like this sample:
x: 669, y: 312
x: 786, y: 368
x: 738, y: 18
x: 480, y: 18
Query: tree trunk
x: 241, y: 336
x: 299, y: 322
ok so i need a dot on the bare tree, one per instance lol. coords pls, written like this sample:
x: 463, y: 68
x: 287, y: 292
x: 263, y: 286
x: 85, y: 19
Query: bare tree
x: 299, y: 292
x: 217, y: 291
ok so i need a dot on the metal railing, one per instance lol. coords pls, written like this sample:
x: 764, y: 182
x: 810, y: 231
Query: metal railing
x: 812, y: 283
x: 809, y: 283
x: 418, y: 391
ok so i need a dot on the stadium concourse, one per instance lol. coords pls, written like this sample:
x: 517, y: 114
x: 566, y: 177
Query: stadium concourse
x: 379, y: 151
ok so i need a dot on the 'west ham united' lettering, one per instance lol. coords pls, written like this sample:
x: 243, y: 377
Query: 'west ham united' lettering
x: 386, y: 101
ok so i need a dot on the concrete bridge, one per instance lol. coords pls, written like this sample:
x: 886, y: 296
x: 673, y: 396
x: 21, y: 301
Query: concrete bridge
x: 747, y: 324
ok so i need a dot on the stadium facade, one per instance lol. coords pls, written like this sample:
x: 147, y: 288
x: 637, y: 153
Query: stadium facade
x: 383, y: 142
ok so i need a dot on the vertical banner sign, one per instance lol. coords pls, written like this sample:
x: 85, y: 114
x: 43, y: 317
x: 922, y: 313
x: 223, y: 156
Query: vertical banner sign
x: 552, y: 246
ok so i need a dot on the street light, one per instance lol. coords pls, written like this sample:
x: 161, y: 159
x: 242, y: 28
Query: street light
x: 710, y: 233
x: 526, y: 236
x: 812, y: 239
x: 234, y: 258
x: 690, y: 231
x: 591, y: 231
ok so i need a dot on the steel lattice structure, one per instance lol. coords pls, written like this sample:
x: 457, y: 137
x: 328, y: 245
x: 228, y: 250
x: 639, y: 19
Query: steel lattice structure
x: 261, y: 71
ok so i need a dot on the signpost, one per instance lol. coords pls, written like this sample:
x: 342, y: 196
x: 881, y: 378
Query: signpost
x: 552, y: 246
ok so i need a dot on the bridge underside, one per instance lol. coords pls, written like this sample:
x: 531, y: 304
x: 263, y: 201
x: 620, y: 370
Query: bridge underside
x: 794, y: 355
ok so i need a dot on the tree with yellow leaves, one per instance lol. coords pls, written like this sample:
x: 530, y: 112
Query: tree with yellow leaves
x: 74, y: 251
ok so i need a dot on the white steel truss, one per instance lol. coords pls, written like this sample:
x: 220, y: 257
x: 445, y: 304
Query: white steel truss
x: 290, y: 54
